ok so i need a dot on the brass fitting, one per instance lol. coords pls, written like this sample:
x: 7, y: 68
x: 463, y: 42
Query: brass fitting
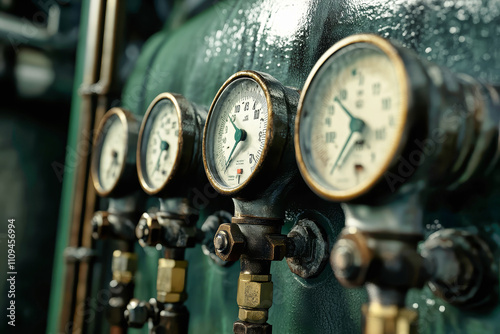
x: 252, y: 316
x: 255, y: 297
x: 171, y: 281
x: 123, y: 265
x: 229, y: 242
x: 389, y: 319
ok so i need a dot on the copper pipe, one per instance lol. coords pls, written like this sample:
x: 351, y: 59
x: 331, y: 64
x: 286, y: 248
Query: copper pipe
x: 114, y: 15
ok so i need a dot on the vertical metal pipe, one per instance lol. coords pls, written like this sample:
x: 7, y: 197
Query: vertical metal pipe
x: 114, y: 14
x: 71, y: 302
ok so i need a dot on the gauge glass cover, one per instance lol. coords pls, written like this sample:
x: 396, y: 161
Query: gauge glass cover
x: 160, y: 144
x: 113, y: 152
x: 351, y: 119
x: 236, y: 133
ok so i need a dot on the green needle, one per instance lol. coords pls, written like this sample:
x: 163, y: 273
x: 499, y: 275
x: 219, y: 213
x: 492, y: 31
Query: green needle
x: 158, y: 162
x: 235, y: 127
x: 342, y: 106
x: 231, y: 154
x: 342, y: 151
x: 163, y: 147
x: 355, y: 125
x: 239, y: 135
x: 114, y: 162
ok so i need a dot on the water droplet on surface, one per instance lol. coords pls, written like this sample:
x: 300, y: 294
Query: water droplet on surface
x: 415, y: 305
x: 453, y: 30
x: 430, y: 302
x: 442, y: 308
x: 461, y: 39
x: 427, y: 50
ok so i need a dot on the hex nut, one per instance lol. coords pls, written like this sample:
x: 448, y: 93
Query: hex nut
x: 148, y: 230
x: 308, y: 248
x: 277, y: 246
x: 101, y: 227
x: 253, y: 316
x: 243, y: 327
x: 123, y: 266
x: 351, y: 258
x: 171, y: 280
x: 137, y: 313
x: 255, y: 291
x: 235, y: 242
x: 463, y: 274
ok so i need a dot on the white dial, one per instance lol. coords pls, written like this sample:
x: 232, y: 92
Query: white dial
x: 112, y: 152
x: 236, y: 133
x: 351, y: 120
x: 160, y: 143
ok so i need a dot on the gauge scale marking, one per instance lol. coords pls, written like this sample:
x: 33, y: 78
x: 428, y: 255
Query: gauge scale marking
x: 237, y: 133
x: 351, y: 117
x: 110, y: 159
x: 162, y: 143
x: 113, y: 153
x: 159, y: 144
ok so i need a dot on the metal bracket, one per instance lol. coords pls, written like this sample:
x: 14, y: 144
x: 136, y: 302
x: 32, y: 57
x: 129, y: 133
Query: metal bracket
x: 78, y: 254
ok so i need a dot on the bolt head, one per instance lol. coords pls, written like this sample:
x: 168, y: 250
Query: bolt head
x: 229, y: 242
x: 350, y: 259
x: 221, y: 241
x: 137, y: 313
x: 142, y: 231
x: 343, y: 258
x: 148, y: 230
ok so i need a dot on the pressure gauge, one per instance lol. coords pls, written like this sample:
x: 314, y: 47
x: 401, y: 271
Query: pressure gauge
x: 168, y: 139
x: 365, y: 115
x: 245, y: 132
x: 113, y: 156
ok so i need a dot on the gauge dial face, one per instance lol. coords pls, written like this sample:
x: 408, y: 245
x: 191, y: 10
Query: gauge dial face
x: 159, y: 144
x: 112, y: 153
x: 236, y: 133
x: 351, y: 120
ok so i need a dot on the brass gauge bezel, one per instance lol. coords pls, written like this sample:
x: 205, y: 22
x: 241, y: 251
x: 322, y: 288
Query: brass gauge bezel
x: 398, y: 145
x: 276, y: 136
x: 126, y: 179
x: 187, y: 121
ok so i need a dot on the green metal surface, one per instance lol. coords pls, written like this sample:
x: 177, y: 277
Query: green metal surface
x: 284, y: 39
